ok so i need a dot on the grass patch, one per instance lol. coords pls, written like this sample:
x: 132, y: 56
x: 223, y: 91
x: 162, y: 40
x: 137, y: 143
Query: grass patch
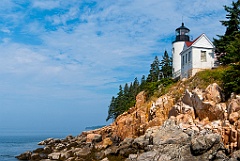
x: 203, y: 78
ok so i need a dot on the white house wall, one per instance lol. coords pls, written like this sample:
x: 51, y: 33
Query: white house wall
x: 186, y: 63
x: 197, y: 63
x: 203, y: 41
x: 190, y: 68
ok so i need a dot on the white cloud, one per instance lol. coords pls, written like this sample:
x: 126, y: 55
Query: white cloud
x: 6, y: 30
x: 46, y: 4
x: 86, y: 50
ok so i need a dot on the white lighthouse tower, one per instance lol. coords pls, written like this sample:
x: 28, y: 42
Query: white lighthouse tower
x: 182, y: 35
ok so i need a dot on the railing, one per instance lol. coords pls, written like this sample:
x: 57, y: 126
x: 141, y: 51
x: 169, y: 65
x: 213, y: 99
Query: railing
x: 177, y: 74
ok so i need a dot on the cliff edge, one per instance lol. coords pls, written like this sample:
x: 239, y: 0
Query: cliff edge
x: 184, y: 124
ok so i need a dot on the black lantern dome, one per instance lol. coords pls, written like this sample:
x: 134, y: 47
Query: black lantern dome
x: 182, y: 33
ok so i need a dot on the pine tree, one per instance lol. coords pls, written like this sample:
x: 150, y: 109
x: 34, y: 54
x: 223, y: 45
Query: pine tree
x: 233, y: 16
x: 120, y: 104
x: 135, y: 86
x: 111, y: 109
x: 233, y: 50
x: 166, y: 66
x: 143, y: 83
x: 154, y: 71
x: 232, y: 30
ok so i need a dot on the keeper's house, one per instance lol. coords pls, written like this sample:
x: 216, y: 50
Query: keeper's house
x: 189, y: 57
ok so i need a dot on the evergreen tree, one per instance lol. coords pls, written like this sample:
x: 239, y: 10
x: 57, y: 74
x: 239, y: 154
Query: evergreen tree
x: 233, y: 16
x: 154, y: 71
x: 126, y: 89
x: 111, y: 109
x: 126, y: 98
x: 166, y: 66
x: 143, y: 83
x: 119, y: 102
x: 232, y: 30
x: 233, y: 50
x: 135, y: 86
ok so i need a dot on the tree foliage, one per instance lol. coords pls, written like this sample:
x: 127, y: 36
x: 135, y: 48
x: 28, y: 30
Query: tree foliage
x: 232, y: 50
x: 126, y: 97
x: 154, y: 72
x: 226, y: 45
x: 166, y: 66
x: 124, y: 100
x: 231, y: 79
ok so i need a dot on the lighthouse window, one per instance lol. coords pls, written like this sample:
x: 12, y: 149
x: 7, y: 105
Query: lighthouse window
x: 203, y: 56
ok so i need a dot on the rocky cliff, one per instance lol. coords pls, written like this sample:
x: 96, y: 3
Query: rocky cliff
x: 184, y: 124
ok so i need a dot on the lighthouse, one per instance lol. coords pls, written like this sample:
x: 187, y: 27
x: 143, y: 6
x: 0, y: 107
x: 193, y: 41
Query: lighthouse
x: 182, y: 36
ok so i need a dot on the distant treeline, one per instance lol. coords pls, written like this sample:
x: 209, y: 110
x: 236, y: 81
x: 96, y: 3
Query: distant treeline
x: 94, y: 127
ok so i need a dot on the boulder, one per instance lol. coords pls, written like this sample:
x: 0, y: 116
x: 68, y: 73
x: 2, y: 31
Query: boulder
x: 35, y: 156
x: 233, y: 117
x: 66, y: 155
x: 55, y: 156
x: 107, y: 142
x: 82, y: 152
x: 25, y: 156
x: 206, y: 109
x: 169, y: 142
x: 187, y: 98
x: 38, y: 150
x: 47, y: 149
x: 125, y: 147
x: 201, y: 144
x: 72, y: 144
x: 99, y: 155
x: 111, y: 151
x: 71, y: 159
x: 234, y: 105
x: 151, y: 156
x: 214, y: 93
x: 105, y: 159
x: 60, y: 146
x: 236, y: 155
x: 94, y: 138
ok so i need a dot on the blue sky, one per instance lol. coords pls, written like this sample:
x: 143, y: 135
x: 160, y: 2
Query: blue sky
x: 62, y: 61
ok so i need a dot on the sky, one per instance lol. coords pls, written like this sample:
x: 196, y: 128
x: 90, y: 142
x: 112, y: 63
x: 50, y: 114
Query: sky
x: 62, y: 61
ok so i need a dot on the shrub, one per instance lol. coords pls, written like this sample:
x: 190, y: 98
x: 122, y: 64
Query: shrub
x: 231, y: 79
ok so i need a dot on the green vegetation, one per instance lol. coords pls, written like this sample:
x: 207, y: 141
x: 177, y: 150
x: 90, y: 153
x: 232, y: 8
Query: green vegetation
x: 203, y: 78
x: 159, y: 80
x: 228, y: 48
x: 231, y: 79
x: 124, y: 100
x: 228, y: 45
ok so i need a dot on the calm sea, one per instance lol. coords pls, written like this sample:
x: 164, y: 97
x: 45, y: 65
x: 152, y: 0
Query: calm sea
x: 15, y: 142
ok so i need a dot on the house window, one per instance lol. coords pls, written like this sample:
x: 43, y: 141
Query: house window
x: 183, y: 60
x: 186, y: 59
x: 189, y: 56
x: 203, y: 56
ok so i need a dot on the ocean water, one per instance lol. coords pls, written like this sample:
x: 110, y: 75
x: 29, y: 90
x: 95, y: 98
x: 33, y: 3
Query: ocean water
x: 15, y: 142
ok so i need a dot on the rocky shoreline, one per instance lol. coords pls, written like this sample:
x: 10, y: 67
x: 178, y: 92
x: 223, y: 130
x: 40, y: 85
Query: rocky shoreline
x: 201, y: 125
